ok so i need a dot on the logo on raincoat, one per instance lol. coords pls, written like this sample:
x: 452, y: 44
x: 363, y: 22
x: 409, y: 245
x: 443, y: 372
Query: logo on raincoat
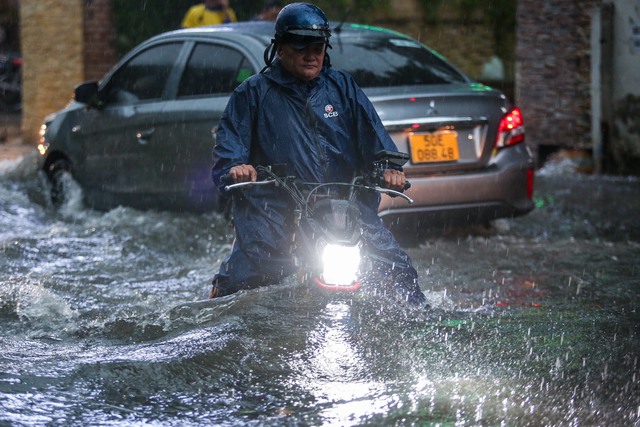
x: 329, y: 111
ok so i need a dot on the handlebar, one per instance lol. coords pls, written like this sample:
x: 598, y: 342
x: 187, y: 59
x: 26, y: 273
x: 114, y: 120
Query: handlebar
x: 392, y: 193
x: 395, y: 193
x: 248, y: 184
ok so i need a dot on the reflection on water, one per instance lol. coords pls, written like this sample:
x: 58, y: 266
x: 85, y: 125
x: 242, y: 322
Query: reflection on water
x: 533, y: 322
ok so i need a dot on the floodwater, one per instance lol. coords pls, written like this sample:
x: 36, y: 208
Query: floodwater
x: 533, y: 322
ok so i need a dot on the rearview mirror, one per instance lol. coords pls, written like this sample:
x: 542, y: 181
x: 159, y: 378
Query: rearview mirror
x: 396, y: 158
x: 87, y: 93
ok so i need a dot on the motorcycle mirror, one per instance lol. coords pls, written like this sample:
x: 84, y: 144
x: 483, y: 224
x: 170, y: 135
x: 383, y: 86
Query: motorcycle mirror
x: 396, y: 158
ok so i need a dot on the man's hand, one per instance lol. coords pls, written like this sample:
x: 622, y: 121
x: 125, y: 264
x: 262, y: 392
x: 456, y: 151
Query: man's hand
x: 243, y: 173
x: 394, y: 179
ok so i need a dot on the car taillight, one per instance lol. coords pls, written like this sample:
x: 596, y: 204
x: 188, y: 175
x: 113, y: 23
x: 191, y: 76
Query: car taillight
x: 511, y: 129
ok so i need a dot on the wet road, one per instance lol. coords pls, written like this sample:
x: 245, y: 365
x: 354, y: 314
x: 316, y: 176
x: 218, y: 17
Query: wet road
x: 534, y: 321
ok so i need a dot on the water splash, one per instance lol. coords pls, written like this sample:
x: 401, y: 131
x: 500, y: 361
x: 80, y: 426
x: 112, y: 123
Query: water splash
x: 36, y: 306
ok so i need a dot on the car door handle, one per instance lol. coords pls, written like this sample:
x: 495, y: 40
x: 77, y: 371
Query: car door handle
x: 144, y: 135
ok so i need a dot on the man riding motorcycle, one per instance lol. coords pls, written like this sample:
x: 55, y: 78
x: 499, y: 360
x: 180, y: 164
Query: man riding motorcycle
x: 301, y: 113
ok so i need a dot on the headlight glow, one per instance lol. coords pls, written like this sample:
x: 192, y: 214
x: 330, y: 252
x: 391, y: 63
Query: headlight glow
x: 340, y: 264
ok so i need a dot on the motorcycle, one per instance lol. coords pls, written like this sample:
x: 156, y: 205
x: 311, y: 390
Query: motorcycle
x: 328, y: 243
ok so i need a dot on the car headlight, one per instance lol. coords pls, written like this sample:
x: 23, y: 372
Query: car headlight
x: 43, y: 145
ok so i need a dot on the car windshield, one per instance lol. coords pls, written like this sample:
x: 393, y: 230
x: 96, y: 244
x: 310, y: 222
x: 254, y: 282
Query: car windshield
x: 390, y: 61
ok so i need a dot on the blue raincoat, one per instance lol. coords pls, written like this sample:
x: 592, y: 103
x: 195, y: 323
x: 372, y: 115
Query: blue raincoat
x: 323, y: 130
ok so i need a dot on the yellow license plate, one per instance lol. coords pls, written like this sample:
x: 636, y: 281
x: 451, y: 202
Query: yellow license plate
x: 441, y: 146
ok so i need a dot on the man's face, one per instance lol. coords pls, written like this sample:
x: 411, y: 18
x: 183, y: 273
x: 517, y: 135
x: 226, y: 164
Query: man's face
x: 306, y: 63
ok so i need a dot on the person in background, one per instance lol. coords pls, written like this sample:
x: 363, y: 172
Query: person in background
x: 269, y: 11
x: 210, y: 12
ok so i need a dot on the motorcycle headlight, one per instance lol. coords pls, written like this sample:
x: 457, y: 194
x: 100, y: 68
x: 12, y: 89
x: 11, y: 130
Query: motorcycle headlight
x: 340, y: 264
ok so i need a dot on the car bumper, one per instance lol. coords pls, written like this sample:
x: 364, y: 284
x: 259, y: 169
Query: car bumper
x: 498, y: 191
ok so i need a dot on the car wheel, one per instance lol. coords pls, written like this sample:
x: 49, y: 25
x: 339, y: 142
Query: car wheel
x: 59, y: 174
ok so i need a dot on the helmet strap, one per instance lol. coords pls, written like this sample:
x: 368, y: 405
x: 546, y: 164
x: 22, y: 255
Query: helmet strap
x: 327, y: 60
x: 270, y: 54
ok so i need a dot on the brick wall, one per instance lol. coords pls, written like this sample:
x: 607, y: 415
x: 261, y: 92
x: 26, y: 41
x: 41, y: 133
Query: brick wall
x: 64, y: 42
x: 553, y: 72
x: 52, y: 40
x: 99, y: 54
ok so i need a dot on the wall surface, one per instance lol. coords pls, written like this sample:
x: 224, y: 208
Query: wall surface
x: 99, y: 53
x: 51, y: 36
x: 577, y: 79
x: 553, y: 72
x: 63, y: 43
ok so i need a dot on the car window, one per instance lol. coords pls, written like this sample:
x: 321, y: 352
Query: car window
x: 380, y: 62
x: 213, y: 69
x: 144, y: 76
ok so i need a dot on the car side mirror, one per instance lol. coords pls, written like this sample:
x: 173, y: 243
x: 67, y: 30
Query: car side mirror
x: 87, y: 93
